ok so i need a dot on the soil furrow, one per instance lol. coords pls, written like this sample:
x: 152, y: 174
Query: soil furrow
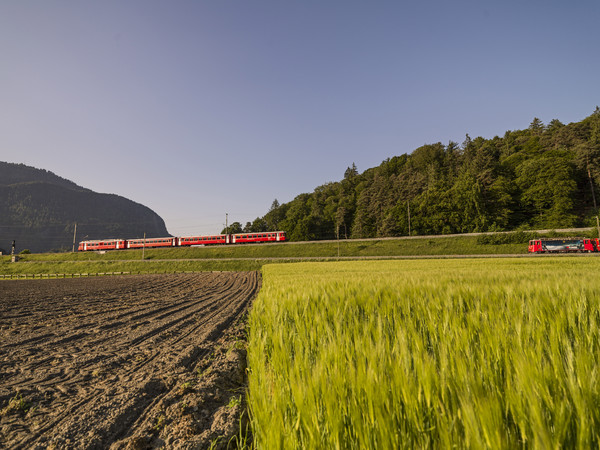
x: 89, y: 363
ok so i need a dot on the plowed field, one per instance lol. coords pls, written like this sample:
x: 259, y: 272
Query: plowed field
x: 123, y: 362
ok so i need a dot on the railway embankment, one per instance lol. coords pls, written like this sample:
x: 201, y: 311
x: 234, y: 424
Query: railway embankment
x: 250, y: 257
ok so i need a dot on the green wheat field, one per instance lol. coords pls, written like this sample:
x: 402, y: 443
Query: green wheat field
x: 474, y: 353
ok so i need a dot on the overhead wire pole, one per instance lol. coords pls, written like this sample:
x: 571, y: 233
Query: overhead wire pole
x: 338, y: 238
x: 408, y: 202
x: 74, y: 235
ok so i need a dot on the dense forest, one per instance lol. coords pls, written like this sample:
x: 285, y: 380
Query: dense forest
x: 545, y: 176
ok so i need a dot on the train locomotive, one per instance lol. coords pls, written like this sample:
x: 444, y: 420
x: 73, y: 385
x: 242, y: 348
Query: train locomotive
x: 185, y: 241
x: 564, y: 245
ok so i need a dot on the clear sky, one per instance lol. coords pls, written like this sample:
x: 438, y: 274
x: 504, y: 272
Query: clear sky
x: 206, y: 107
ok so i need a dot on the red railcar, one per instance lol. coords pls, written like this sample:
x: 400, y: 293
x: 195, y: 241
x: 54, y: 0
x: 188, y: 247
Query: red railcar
x: 246, y: 238
x: 106, y: 244
x: 563, y: 245
x: 203, y: 240
x: 151, y: 242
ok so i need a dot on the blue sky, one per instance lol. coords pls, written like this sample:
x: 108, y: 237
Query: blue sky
x: 201, y: 108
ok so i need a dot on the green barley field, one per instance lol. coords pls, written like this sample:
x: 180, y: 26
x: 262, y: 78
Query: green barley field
x: 476, y: 353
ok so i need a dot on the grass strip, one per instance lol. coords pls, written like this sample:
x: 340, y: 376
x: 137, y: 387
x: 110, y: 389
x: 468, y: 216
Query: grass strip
x: 74, y: 267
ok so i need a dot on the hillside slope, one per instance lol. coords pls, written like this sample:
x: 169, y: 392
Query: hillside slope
x: 39, y: 210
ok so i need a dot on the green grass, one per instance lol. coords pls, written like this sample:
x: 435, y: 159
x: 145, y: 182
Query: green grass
x: 474, y: 353
x: 93, y: 267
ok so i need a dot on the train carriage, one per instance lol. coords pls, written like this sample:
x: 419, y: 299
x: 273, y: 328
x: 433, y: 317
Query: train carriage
x: 152, y: 242
x: 104, y: 244
x: 563, y: 245
x: 270, y: 236
x: 203, y: 240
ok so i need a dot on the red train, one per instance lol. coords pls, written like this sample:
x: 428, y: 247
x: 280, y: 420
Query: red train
x: 564, y: 245
x: 186, y: 241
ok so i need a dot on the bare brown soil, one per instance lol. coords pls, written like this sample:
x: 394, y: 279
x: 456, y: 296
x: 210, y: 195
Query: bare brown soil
x: 124, y: 362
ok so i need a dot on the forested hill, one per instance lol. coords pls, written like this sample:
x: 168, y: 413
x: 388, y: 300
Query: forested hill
x: 545, y: 176
x: 39, y: 210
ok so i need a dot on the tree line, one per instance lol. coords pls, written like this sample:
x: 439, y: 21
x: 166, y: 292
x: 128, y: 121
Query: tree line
x: 545, y: 176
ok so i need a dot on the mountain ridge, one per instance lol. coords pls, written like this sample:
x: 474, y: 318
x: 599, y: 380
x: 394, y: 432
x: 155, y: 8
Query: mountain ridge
x: 39, y: 210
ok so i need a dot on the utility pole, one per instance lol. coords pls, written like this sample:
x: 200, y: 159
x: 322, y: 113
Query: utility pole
x: 408, y: 202
x: 598, y: 226
x: 338, y: 238
x: 144, y: 246
x: 226, y: 223
x: 74, y: 234
x: 591, y: 181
